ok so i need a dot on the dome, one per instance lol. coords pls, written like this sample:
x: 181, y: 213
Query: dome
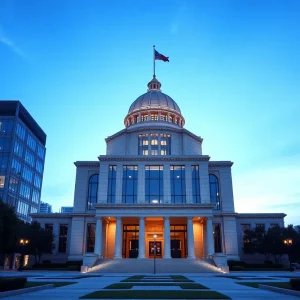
x: 156, y: 100
x: 154, y: 106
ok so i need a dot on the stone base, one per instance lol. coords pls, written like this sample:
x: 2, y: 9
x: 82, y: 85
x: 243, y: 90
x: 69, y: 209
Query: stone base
x: 89, y: 259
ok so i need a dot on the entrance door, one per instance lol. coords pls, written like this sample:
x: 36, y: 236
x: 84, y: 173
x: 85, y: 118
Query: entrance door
x: 134, y: 249
x: 151, y: 249
x: 175, y: 248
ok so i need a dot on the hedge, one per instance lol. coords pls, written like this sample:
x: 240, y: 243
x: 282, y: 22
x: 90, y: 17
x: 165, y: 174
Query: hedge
x: 12, y: 283
x: 295, y: 283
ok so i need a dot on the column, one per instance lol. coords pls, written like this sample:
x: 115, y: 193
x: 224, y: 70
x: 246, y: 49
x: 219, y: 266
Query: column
x: 98, y: 238
x: 118, y: 243
x: 190, y: 234
x: 209, y: 237
x: 142, y: 238
x: 167, y: 246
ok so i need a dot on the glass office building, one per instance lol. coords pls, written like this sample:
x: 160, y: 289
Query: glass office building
x: 22, y: 159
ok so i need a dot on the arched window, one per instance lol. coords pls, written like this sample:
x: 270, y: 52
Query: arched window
x: 93, y: 191
x: 214, y: 191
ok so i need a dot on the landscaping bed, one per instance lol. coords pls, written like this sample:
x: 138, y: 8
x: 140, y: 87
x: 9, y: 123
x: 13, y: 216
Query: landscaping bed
x: 150, y: 294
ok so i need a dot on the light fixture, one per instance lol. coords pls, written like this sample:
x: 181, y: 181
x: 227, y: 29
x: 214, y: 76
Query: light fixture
x: 177, y: 176
x: 154, y: 201
x: 154, y: 236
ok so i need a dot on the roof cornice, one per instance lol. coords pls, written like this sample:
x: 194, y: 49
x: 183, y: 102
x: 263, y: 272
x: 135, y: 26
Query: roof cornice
x: 261, y: 215
x: 62, y: 215
x: 87, y: 164
x: 220, y: 164
x: 153, y: 158
x: 126, y: 206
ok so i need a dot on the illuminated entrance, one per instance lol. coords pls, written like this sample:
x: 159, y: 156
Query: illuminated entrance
x: 130, y: 241
x: 178, y: 241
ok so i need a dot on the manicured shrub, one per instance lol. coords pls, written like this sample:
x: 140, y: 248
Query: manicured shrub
x: 237, y: 268
x: 12, y: 283
x: 46, y: 261
x: 295, y: 283
x: 74, y: 262
x: 232, y: 263
x: 49, y: 266
x: 268, y: 262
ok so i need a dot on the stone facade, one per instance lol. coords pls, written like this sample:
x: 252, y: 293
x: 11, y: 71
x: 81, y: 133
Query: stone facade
x: 201, y: 224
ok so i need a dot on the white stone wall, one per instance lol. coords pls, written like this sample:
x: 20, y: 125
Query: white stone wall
x: 230, y: 237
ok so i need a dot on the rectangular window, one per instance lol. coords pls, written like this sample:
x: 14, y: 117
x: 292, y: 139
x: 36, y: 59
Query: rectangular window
x: 196, y: 184
x: 35, y: 196
x: 154, y: 184
x: 129, y: 186
x: 63, y: 238
x: 217, y: 238
x: 111, y: 193
x: 27, y: 174
x: 245, y: 227
x: 31, y: 142
x: 18, y: 149
x: 274, y: 225
x: 178, y: 192
x: 260, y: 226
x: 41, y: 152
x: 25, y: 191
x: 39, y: 166
x: 165, y: 144
x: 21, y: 132
x: 37, y: 181
x: 90, y: 237
x: 6, y: 126
x: 22, y: 208
x: 33, y: 210
x: 3, y: 161
x: 29, y: 158
x: 16, y: 167
x: 13, y: 185
x: 143, y: 144
x: 5, y: 144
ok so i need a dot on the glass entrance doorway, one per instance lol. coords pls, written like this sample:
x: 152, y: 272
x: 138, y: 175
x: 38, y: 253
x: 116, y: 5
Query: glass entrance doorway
x: 178, y: 241
x: 130, y: 247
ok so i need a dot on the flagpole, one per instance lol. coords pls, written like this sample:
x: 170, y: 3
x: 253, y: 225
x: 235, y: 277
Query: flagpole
x: 153, y: 61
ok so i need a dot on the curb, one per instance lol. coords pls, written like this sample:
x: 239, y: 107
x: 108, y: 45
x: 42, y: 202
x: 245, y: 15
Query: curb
x: 279, y: 290
x: 26, y: 290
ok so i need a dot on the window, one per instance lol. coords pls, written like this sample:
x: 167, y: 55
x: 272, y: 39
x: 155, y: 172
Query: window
x: 39, y: 166
x: 35, y: 196
x: 217, y: 238
x: 196, y: 184
x: 20, y: 131
x: 37, y: 181
x: 245, y: 227
x: 154, y: 188
x: 3, y: 161
x: 63, y: 238
x: 29, y: 158
x: 154, y: 144
x: 25, y: 191
x: 27, y: 174
x: 178, y: 193
x: 93, y: 191
x: 6, y: 126
x: 260, y: 226
x: 13, y: 185
x: 129, y: 187
x: 90, y: 237
x: 154, y: 117
x: 33, y: 210
x: 111, y: 193
x: 16, y: 167
x: 18, y: 149
x: 274, y: 225
x: 41, y: 152
x: 49, y: 227
x: 22, y: 208
x: 31, y: 142
x: 5, y: 143
x: 214, y: 190
x: 163, y: 117
x: 144, y: 118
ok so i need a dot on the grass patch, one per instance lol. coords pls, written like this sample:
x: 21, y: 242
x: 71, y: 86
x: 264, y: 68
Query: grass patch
x: 283, y: 285
x: 155, y: 295
x: 161, y: 280
x: 130, y: 285
x: 178, y: 277
x: 56, y: 284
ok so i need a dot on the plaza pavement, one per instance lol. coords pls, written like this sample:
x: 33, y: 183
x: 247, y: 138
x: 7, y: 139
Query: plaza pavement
x: 87, y: 285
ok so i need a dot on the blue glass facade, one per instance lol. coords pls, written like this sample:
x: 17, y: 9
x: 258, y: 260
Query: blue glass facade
x: 22, y: 158
x: 129, y: 186
x: 178, y: 191
x: 154, y: 184
x: 111, y: 192
x: 196, y: 184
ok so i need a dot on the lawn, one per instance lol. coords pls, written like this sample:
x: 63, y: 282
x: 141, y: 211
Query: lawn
x: 130, y: 285
x: 283, y: 285
x: 155, y: 295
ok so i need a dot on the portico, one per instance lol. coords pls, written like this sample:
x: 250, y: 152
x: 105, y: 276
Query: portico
x: 128, y: 233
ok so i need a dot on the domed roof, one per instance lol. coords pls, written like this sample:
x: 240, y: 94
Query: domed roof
x: 155, y: 99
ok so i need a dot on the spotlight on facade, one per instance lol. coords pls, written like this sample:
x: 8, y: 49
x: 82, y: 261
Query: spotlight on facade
x: 155, y: 201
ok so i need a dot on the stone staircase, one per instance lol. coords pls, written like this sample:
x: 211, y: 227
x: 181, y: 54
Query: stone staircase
x: 162, y: 266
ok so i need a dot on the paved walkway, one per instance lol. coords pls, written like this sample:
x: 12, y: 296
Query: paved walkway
x: 84, y: 286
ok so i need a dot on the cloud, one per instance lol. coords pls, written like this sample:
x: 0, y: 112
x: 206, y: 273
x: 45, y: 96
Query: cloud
x: 9, y: 43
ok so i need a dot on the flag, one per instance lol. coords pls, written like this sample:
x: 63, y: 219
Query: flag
x: 158, y: 56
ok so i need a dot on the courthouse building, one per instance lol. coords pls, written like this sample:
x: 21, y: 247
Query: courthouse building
x: 153, y: 184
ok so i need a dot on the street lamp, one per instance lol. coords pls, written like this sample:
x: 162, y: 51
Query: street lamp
x: 154, y: 236
x: 289, y: 243
x: 23, y: 242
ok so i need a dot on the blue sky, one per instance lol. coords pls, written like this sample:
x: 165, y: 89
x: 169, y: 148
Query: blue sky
x: 234, y: 71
